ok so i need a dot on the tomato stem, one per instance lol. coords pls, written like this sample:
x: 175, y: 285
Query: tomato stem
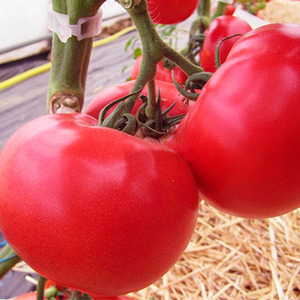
x: 70, y: 60
x: 151, y: 106
x: 220, y: 10
x: 40, y: 288
x: 154, y: 50
x: 204, y: 8
x: 9, y: 259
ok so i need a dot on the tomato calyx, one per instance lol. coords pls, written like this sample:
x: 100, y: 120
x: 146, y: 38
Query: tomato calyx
x: 155, y: 126
x: 193, y: 83
x: 217, y: 55
x: 160, y: 124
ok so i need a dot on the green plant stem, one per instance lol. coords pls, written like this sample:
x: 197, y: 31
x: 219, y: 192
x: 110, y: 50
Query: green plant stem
x: 6, y: 266
x: 221, y: 7
x: 154, y: 49
x: 150, y: 109
x: 40, y: 287
x: 70, y: 60
x: 204, y: 8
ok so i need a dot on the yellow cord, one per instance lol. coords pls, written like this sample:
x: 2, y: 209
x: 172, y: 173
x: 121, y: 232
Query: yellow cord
x: 46, y: 67
x: 113, y: 37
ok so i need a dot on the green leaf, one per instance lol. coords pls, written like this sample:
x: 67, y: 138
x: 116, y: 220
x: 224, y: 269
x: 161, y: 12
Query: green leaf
x: 124, y: 68
x: 129, y: 43
x: 137, y: 52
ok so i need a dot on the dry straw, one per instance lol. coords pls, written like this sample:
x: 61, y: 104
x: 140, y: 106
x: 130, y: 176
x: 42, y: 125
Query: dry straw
x: 235, y: 258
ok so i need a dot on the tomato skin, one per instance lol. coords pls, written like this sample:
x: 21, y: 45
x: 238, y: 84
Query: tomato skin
x: 221, y: 27
x: 114, y: 298
x: 98, y: 210
x: 241, y: 137
x: 171, y: 11
x: 162, y: 73
x: 27, y: 296
x: 169, y: 95
x: 230, y: 8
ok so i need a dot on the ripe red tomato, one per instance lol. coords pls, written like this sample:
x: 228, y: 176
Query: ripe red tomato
x: 221, y: 27
x: 241, y: 138
x: 93, y: 208
x: 27, y: 296
x: 169, y: 95
x: 114, y: 298
x: 162, y: 73
x: 229, y: 10
x: 171, y: 11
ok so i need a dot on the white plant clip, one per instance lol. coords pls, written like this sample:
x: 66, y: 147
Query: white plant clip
x: 85, y: 28
x: 252, y: 20
x: 226, y: 1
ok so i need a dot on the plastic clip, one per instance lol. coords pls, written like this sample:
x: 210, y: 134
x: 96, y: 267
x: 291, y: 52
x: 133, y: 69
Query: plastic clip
x: 227, y: 1
x: 85, y: 28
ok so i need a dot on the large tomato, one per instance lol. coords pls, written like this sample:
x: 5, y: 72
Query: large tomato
x: 169, y: 95
x: 241, y: 138
x: 171, y: 11
x: 162, y: 73
x: 93, y: 208
x: 27, y: 296
x: 114, y: 298
x: 229, y: 9
x: 221, y: 27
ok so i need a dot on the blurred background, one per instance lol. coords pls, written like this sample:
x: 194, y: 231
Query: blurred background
x: 24, y: 26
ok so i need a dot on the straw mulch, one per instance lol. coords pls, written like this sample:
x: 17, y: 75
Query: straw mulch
x: 281, y: 11
x: 234, y: 258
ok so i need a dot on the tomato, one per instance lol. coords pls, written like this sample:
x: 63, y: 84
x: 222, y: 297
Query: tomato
x: 27, y: 296
x: 229, y: 10
x: 241, y: 138
x: 171, y: 11
x: 221, y: 27
x: 63, y: 292
x: 93, y: 208
x: 169, y: 95
x: 115, y: 298
x: 162, y: 73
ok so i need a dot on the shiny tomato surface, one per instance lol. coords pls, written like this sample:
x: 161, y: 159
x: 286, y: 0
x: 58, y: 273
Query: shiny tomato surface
x: 220, y: 28
x: 241, y: 138
x: 27, y: 296
x: 92, y: 208
x: 171, y: 11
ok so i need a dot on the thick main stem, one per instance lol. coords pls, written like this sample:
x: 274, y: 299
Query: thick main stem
x: 152, y: 54
x: 9, y: 260
x: 154, y: 49
x: 70, y: 60
x: 221, y: 7
x: 40, y: 288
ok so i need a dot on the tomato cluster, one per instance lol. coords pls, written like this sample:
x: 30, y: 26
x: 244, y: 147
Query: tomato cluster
x: 106, y: 213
